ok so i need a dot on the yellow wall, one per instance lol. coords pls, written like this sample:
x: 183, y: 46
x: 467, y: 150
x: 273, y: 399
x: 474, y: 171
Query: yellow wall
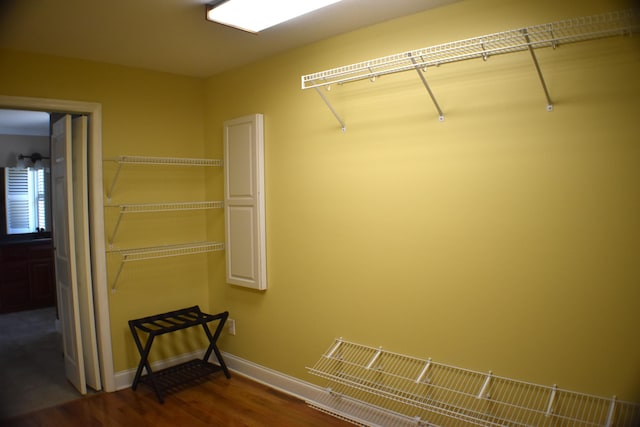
x: 504, y: 239
x: 144, y: 113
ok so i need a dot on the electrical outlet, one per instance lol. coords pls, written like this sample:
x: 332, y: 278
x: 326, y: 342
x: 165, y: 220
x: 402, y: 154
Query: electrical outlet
x: 231, y: 326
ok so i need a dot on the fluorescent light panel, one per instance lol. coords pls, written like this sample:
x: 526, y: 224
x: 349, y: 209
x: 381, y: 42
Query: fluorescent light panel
x: 257, y: 15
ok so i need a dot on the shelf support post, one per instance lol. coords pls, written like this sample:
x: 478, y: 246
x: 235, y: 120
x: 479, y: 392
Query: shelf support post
x: 552, y: 399
x: 426, y: 85
x: 424, y: 371
x: 115, y: 281
x: 113, y: 182
x: 483, y: 391
x: 538, y: 70
x: 326, y: 101
x: 611, y: 412
x: 374, y: 358
x: 115, y: 229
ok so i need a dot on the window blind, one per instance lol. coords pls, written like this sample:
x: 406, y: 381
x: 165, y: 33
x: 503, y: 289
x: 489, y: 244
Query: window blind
x: 20, y: 201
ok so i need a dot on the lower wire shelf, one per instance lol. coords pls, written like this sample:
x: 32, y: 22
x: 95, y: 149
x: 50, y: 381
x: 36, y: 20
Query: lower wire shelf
x: 141, y: 254
x: 178, y: 377
x: 372, y: 386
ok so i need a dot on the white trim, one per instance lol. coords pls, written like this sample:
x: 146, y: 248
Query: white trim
x: 274, y: 379
x: 277, y: 380
x: 98, y: 260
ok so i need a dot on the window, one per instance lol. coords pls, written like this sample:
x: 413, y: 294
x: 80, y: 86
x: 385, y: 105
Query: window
x: 26, y: 201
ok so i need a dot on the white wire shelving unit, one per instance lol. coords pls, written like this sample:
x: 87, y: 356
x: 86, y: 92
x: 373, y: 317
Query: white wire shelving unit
x: 162, y: 161
x: 165, y: 251
x: 159, y: 207
x: 371, y: 386
x: 482, y: 47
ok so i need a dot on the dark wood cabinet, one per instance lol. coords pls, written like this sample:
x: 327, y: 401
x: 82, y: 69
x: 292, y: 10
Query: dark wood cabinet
x: 27, y: 276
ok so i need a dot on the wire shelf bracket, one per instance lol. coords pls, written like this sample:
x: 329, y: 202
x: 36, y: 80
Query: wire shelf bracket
x: 159, y: 207
x: 371, y: 386
x: 523, y: 39
x: 141, y: 254
x: 166, y: 161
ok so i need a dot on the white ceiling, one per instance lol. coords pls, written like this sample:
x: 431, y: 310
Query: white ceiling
x: 173, y: 35
x: 18, y: 122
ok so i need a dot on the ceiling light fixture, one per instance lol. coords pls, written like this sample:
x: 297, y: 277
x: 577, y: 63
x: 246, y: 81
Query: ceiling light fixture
x: 256, y: 15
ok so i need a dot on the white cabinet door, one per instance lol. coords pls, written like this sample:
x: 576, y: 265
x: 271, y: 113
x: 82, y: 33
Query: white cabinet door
x: 245, y: 202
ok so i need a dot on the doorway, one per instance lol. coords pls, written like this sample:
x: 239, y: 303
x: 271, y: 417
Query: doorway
x: 96, y: 218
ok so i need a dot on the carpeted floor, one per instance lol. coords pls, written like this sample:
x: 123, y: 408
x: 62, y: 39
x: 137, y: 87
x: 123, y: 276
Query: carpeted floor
x: 31, y: 363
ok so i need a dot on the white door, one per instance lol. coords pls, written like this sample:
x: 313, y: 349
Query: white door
x: 65, y: 255
x: 80, y: 235
x: 244, y: 202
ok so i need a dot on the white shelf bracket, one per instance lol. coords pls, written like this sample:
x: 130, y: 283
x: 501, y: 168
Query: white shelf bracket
x: 424, y: 371
x: 525, y: 32
x: 611, y: 413
x: 374, y: 358
x: 113, y: 182
x: 426, y: 85
x: 334, y: 349
x: 115, y: 229
x: 485, y: 386
x: 115, y: 281
x: 326, y: 101
x: 552, y: 399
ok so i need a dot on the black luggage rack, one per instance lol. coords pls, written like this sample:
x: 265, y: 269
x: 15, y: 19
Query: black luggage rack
x: 175, y: 377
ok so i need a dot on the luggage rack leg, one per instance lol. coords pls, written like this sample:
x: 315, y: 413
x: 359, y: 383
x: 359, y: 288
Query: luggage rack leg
x: 144, y: 362
x: 213, y: 347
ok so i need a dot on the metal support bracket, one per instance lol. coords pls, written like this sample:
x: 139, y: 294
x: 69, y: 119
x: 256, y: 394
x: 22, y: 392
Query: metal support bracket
x: 525, y: 32
x: 326, y: 101
x: 113, y: 182
x: 426, y: 85
x: 115, y: 229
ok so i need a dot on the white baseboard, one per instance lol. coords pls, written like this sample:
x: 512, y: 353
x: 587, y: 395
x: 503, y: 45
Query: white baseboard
x: 277, y: 380
x: 274, y: 379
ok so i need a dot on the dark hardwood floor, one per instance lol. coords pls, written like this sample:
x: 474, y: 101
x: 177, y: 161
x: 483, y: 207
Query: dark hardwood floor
x: 215, y: 402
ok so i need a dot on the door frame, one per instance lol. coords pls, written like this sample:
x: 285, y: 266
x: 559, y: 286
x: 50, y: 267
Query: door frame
x: 96, y: 216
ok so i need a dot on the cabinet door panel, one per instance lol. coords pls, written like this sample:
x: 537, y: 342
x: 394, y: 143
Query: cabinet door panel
x: 14, y: 296
x: 41, y: 283
x: 245, y: 202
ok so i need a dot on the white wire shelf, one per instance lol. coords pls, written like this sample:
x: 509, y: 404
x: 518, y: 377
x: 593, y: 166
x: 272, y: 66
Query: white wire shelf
x: 159, y: 207
x: 157, y: 161
x: 141, y: 254
x: 403, y: 390
x: 168, y: 161
x: 516, y: 40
